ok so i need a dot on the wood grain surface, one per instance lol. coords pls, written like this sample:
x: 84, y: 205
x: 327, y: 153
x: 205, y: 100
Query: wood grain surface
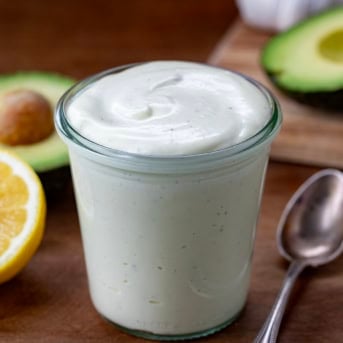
x: 308, y: 135
x: 49, y: 300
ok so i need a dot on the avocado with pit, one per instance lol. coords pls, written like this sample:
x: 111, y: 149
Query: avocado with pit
x: 306, y: 61
x: 27, y: 102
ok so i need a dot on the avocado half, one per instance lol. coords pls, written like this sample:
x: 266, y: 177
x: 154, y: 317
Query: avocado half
x: 307, y: 60
x: 48, y: 157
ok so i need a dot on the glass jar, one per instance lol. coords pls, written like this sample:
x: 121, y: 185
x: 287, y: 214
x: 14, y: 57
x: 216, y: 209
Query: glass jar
x: 168, y: 240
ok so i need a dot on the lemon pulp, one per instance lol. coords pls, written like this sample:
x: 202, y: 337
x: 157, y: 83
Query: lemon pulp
x: 22, y: 214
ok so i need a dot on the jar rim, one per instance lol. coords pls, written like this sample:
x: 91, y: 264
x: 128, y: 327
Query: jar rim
x: 134, y: 161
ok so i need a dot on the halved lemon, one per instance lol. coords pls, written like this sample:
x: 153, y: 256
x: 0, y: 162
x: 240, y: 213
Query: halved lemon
x: 22, y: 214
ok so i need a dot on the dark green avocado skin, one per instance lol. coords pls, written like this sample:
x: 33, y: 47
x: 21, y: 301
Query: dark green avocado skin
x: 332, y: 101
x: 55, y: 181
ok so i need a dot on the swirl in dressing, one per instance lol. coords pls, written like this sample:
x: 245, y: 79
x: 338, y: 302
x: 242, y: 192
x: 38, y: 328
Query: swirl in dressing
x: 169, y: 108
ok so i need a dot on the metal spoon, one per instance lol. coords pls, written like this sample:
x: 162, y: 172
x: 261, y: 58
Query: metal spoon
x: 310, y: 233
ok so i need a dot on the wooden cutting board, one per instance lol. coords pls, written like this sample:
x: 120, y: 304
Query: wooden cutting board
x: 308, y: 135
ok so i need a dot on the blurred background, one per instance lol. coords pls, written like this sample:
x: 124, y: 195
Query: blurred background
x: 83, y: 37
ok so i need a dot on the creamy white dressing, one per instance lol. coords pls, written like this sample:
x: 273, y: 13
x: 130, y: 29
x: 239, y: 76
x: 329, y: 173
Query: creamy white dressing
x: 169, y: 253
x: 169, y: 108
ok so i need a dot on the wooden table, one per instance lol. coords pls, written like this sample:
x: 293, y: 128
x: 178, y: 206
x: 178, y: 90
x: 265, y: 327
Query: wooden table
x: 49, y: 300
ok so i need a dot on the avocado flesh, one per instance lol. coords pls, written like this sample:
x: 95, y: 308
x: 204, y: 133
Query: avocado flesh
x: 50, y: 153
x: 307, y: 60
x: 42, y: 156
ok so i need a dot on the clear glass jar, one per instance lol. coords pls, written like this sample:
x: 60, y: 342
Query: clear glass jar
x: 168, y: 241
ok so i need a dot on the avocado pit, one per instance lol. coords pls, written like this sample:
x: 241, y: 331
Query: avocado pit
x: 331, y: 46
x: 25, y: 117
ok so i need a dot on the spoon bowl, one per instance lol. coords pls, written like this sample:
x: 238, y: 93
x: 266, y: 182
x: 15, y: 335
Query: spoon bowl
x: 310, y: 233
x: 311, y: 226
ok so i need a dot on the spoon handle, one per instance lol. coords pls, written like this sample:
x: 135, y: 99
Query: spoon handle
x: 270, y: 329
